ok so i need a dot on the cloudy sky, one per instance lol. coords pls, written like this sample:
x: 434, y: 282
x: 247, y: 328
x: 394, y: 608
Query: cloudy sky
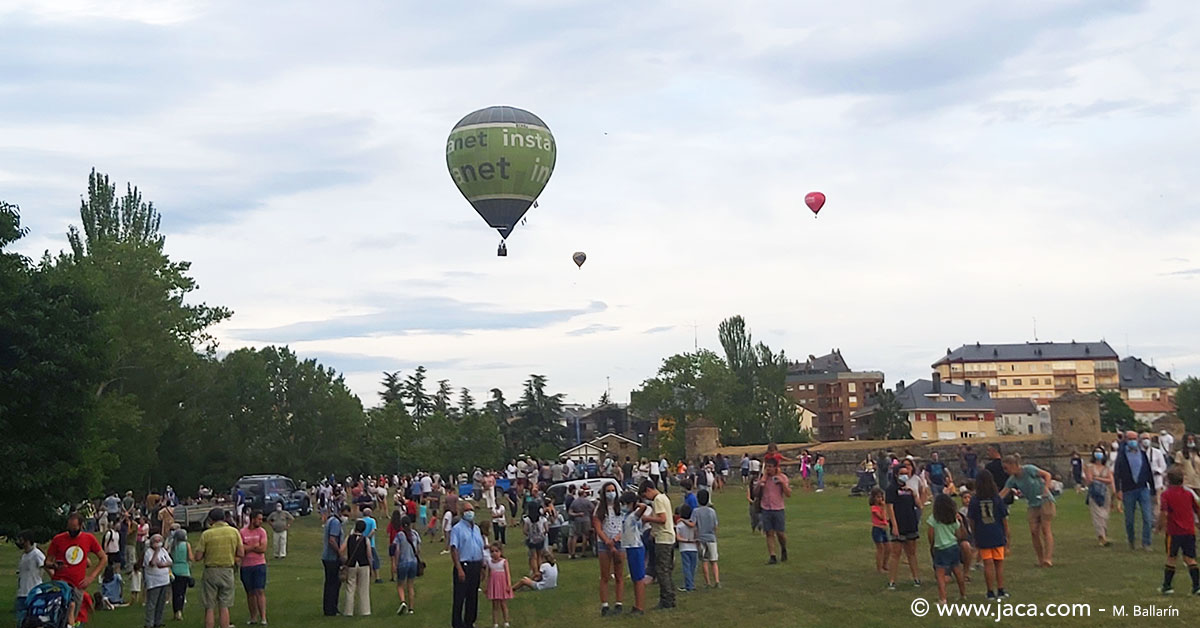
x: 986, y: 164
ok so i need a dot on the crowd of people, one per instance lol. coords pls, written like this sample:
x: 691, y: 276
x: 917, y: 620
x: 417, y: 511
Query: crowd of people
x: 621, y: 513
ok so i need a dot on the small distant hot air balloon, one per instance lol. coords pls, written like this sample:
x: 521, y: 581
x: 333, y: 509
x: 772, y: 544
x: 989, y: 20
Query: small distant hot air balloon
x: 580, y: 257
x: 815, y: 201
x: 501, y: 158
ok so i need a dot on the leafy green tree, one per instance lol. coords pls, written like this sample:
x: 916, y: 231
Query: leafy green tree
x: 497, y: 410
x: 1187, y: 403
x: 689, y: 386
x: 1115, y: 414
x: 52, y: 358
x: 441, y: 399
x: 393, y: 388
x: 537, y: 429
x: 889, y: 421
x: 419, y: 403
x: 157, y: 339
x: 466, y: 403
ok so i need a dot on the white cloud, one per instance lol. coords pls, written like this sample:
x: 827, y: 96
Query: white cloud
x: 985, y: 165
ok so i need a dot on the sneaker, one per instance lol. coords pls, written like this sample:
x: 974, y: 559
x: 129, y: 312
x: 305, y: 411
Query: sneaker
x: 891, y: 586
x: 1001, y: 593
x: 916, y: 584
x: 635, y: 612
x: 683, y: 589
x: 1166, y: 590
x: 664, y: 607
x: 1196, y: 591
x: 772, y: 561
x: 617, y: 610
x: 783, y: 554
x: 717, y: 585
x: 991, y: 596
x: 604, y: 611
x: 403, y: 608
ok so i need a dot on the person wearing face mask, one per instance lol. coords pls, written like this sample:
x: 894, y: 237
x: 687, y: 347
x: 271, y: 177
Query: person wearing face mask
x: 1135, y: 488
x: 903, y: 521
x: 331, y: 559
x: 1158, y: 465
x: 67, y: 560
x: 1188, y: 458
x: 466, y: 555
x: 606, y: 521
x: 1167, y: 441
x: 1100, y: 487
x: 157, y: 574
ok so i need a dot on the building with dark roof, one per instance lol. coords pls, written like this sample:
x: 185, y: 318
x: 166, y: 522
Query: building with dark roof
x: 826, y: 386
x: 1021, y: 416
x: 1032, y: 370
x: 1141, y: 381
x: 939, y: 410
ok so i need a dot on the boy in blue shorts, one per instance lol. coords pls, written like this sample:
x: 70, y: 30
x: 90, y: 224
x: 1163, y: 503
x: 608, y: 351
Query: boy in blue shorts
x: 635, y: 549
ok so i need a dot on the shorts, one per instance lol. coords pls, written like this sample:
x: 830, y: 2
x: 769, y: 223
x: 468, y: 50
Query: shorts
x: 636, y: 557
x: 581, y: 528
x: 948, y: 558
x: 1042, y: 514
x: 879, y: 535
x: 708, y: 551
x: 217, y: 589
x: 991, y: 553
x: 254, y: 578
x: 904, y: 537
x: 745, y: 472
x: 773, y: 521
x: 1181, y: 542
x: 406, y: 571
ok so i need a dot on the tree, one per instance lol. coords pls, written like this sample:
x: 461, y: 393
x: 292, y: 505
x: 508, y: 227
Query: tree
x: 393, y: 388
x: 157, y: 340
x: 418, y: 400
x: 537, y: 430
x: 1187, y: 403
x: 52, y: 357
x: 441, y: 399
x: 689, y: 386
x: 1115, y: 414
x: 497, y: 410
x: 605, y: 399
x: 466, y: 403
x: 889, y: 421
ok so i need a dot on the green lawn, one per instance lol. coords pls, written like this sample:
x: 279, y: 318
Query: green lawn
x: 829, y: 580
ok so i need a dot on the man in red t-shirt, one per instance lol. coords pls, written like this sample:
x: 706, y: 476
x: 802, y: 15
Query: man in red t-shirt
x: 1178, y: 512
x: 67, y: 560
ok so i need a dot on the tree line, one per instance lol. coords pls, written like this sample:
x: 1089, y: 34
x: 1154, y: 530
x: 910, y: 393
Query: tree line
x: 111, y: 380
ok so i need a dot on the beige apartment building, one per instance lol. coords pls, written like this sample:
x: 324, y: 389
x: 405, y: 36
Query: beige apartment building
x: 1032, y: 370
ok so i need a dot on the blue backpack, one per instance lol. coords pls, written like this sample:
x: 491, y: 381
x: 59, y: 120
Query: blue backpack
x: 46, y: 605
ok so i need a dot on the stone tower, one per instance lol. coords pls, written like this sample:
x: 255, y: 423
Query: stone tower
x: 1075, y: 421
x: 700, y: 437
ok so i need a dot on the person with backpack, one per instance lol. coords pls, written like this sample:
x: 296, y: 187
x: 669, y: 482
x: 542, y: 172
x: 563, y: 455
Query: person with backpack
x: 111, y: 541
x: 407, y: 545
x: 67, y: 561
x: 535, y: 528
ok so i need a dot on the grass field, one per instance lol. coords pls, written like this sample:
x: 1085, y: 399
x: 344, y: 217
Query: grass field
x: 828, y: 581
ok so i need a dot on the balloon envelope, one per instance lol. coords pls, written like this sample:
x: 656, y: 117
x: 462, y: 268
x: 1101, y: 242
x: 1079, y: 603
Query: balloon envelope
x: 501, y: 158
x: 580, y: 257
x: 815, y: 201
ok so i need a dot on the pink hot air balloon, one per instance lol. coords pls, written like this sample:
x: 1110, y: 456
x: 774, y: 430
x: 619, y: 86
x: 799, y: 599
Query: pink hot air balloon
x: 815, y: 201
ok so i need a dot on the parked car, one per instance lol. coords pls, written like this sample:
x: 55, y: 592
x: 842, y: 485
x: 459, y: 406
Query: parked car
x: 264, y: 491
x: 558, y: 492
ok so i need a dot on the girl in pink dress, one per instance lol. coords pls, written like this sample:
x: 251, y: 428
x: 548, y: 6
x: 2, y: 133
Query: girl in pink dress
x: 499, y: 588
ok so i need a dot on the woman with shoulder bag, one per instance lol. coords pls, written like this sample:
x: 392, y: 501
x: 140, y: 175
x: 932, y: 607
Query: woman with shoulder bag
x: 408, y: 565
x: 535, y: 537
x: 1100, y: 488
x: 357, y: 552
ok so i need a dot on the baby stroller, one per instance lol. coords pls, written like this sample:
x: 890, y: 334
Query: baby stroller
x: 46, y: 606
x: 866, y: 482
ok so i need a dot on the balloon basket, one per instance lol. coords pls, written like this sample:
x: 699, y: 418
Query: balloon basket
x: 502, y: 250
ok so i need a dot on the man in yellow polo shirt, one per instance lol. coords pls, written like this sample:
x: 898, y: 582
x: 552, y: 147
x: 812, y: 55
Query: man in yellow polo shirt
x: 220, y: 549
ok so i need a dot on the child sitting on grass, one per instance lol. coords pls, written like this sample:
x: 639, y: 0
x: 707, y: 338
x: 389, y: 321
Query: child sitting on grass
x: 989, y: 520
x: 944, y: 534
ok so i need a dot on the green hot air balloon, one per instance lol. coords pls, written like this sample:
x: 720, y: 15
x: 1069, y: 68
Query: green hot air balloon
x: 501, y: 158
